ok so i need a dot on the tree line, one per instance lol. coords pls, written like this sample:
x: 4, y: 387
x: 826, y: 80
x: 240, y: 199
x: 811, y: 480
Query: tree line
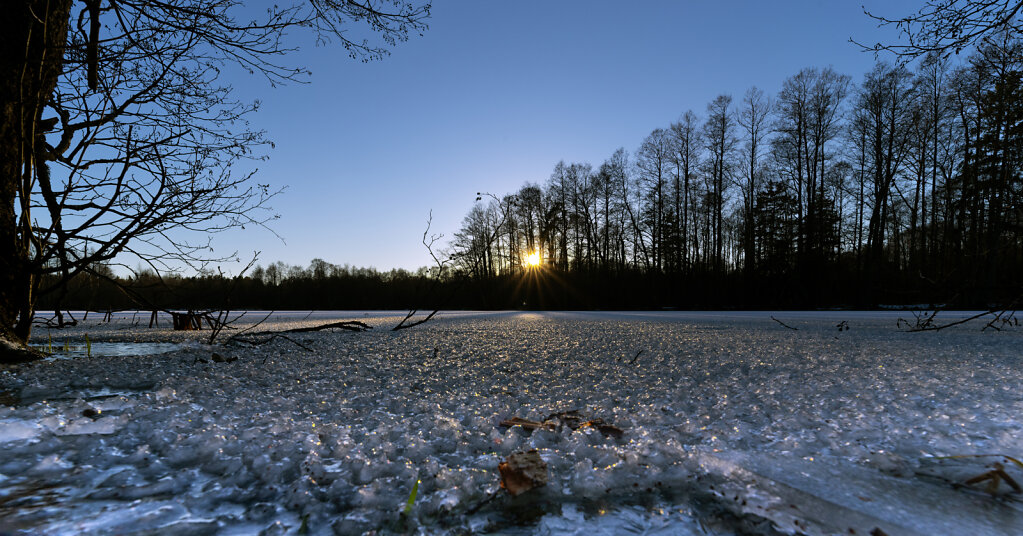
x: 280, y: 286
x: 902, y: 187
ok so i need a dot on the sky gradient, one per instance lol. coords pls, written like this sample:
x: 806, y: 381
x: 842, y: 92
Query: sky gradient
x: 496, y: 93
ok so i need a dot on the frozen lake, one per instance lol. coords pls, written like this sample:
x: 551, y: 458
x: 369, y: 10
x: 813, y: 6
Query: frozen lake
x: 732, y: 423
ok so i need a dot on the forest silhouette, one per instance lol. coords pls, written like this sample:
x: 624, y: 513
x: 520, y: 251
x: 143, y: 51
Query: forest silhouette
x: 901, y: 188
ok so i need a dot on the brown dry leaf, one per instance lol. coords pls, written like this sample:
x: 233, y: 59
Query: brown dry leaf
x: 523, y: 471
x: 605, y: 428
x: 571, y: 419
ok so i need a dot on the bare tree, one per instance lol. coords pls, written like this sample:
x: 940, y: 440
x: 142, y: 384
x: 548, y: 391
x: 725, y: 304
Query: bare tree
x: 616, y: 169
x: 652, y: 161
x: 686, y: 156
x: 883, y: 113
x: 474, y: 248
x: 807, y: 121
x: 753, y: 116
x: 118, y: 135
x: 949, y: 26
x: 719, y: 134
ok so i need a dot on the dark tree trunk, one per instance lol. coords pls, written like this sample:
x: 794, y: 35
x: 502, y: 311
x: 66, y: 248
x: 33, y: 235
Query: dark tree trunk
x: 32, y: 37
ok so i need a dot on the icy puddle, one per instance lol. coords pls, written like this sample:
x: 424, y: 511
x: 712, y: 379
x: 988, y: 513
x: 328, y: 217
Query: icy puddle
x: 645, y: 423
x: 80, y: 349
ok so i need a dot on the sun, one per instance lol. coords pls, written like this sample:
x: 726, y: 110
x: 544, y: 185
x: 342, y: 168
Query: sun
x: 533, y: 259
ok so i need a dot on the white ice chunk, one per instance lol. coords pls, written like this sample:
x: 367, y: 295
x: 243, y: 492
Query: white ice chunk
x: 18, y: 430
x: 85, y: 425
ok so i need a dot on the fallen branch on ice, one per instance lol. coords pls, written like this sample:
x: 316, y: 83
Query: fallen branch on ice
x: 263, y: 337
x: 784, y: 324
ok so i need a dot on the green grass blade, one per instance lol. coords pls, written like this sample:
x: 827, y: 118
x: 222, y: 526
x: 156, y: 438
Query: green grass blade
x: 412, y: 498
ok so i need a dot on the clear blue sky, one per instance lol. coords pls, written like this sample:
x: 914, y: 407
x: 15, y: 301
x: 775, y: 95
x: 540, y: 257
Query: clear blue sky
x: 495, y: 93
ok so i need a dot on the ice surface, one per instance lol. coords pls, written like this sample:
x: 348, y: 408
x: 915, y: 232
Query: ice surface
x: 729, y: 418
x: 816, y: 496
x: 15, y: 429
x: 79, y: 349
x: 571, y: 522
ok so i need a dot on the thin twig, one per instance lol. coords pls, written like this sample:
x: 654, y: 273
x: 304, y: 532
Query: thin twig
x: 350, y: 325
x: 403, y: 325
x: 1005, y: 320
x: 428, y: 242
x: 257, y: 324
x: 784, y: 324
x: 260, y: 342
x: 276, y: 336
x: 950, y: 324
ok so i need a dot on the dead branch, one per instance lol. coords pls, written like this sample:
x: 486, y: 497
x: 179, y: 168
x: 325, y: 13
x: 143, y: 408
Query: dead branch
x: 289, y: 339
x: 997, y: 312
x: 257, y: 324
x: 217, y: 325
x: 428, y: 241
x: 1004, y: 318
x: 924, y: 321
x: 57, y: 321
x: 275, y: 336
x: 263, y: 337
x: 349, y: 325
x: 784, y: 324
x: 403, y: 325
x: 934, y: 327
